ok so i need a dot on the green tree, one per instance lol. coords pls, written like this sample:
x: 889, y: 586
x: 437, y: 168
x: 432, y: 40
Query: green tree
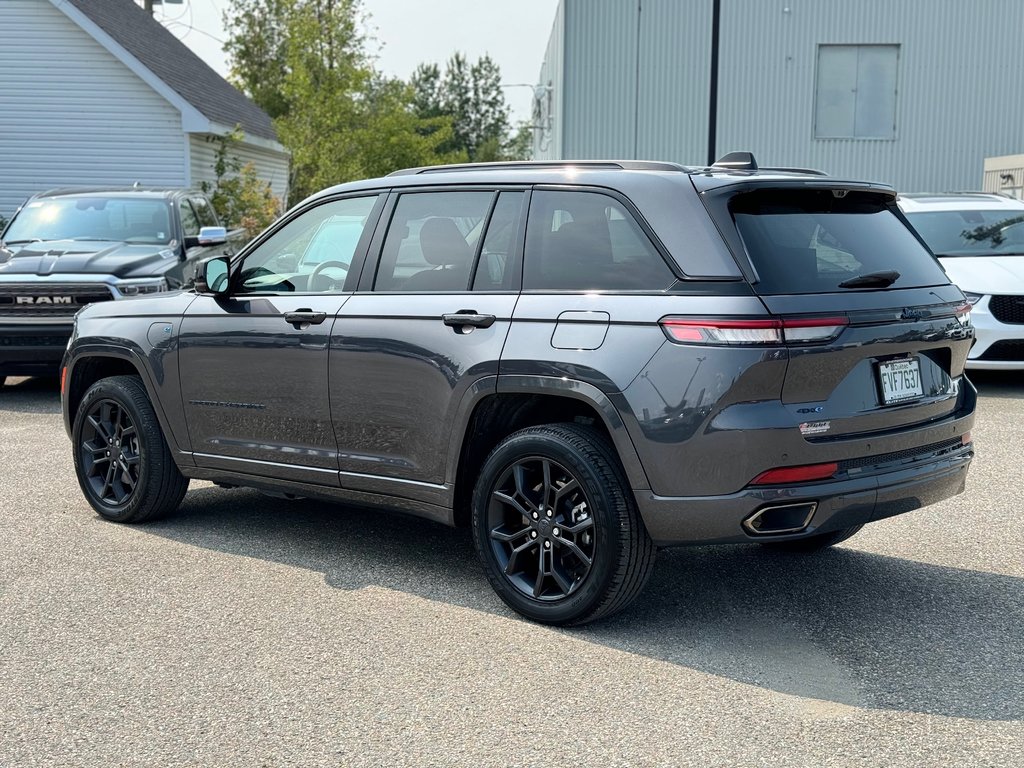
x: 257, y: 48
x: 339, y: 118
x: 238, y: 195
x: 471, y: 95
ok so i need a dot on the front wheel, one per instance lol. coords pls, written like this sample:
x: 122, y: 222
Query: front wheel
x: 557, y: 528
x: 122, y: 461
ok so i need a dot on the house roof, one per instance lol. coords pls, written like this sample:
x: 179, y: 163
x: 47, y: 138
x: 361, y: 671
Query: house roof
x: 175, y: 64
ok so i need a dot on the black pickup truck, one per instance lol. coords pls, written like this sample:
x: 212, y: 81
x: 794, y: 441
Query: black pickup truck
x: 67, y: 248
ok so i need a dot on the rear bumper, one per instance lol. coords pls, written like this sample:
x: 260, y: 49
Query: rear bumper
x: 33, y: 350
x: 840, y: 504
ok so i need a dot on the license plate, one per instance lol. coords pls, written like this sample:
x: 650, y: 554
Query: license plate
x: 900, y: 380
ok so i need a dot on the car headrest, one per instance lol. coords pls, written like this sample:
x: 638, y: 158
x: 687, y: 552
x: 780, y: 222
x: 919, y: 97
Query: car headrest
x: 442, y: 243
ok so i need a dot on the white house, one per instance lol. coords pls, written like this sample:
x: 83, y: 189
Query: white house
x: 97, y: 92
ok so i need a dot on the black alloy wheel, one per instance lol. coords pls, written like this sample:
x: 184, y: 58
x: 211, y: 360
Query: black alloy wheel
x: 541, y: 529
x: 556, y: 525
x: 122, y: 461
x: 110, y: 452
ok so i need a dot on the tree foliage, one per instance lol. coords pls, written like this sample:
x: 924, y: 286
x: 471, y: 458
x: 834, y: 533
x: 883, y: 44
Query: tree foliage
x: 238, y: 195
x: 471, y: 95
x: 305, y: 62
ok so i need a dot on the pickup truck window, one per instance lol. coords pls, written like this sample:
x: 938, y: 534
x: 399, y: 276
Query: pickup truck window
x: 204, y: 212
x: 93, y: 218
x: 311, y: 253
x: 189, y: 222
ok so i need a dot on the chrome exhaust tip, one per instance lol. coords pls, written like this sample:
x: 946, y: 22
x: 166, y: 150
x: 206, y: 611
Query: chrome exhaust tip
x: 782, y: 518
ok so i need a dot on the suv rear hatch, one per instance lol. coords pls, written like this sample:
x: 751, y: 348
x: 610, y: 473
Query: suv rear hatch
x: 877, y: 335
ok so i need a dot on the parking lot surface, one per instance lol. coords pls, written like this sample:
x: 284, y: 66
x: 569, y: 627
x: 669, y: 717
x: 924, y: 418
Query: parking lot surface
x: 247, y: 630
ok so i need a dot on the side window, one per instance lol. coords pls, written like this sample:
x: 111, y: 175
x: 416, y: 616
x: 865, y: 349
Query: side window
x: 494, y: 268
x: 311, y: 253
x: 204, y: 212
x: 189, y: 222
x: 588, y: 241
x: 431, y: 241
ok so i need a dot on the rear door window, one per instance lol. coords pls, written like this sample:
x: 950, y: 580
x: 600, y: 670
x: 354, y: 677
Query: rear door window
x: 810, y: 241
x: 432, y: 241
x: 588, y: 241
x: 494, y: 269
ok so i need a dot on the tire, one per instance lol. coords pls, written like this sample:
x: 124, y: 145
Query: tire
x: 145, y: 483
x: 3, y: 380
x: 813, y: 543
x: 563, y: 545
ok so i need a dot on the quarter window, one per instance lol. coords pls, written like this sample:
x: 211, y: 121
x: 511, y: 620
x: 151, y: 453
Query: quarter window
x: 311, y: 253
x: 431, y: 241
x: 588, y: 241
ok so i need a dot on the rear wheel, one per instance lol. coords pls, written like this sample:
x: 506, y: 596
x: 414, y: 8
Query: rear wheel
x: 557, y: 528
x: 813, y: 543
x: 122, y: 461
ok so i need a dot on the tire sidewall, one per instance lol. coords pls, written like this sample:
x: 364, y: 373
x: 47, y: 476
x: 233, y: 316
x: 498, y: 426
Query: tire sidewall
x: 111, y: 390
x: 605, y: 514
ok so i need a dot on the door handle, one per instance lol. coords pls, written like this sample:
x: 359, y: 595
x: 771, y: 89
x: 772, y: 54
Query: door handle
x: 302, y: 318
x: 468, y: 317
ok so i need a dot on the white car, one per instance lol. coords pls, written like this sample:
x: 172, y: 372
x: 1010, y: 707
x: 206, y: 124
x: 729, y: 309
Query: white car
x: 979, y: 239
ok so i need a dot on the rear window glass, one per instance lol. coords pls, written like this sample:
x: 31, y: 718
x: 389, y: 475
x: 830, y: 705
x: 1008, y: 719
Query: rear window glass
x: 811, y: 241
x: 971, y: 233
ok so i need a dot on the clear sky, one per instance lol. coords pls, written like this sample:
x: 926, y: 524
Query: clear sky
x: 407, y: 32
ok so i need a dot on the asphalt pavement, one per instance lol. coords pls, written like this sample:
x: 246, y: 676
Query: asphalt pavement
x: 252, y: 631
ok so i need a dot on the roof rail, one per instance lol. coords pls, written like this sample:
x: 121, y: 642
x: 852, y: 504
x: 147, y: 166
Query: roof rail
x: 957, y: 193
x: 512, y: 165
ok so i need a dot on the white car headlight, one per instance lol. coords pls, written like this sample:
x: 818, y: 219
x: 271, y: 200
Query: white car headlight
x: 141, y: 286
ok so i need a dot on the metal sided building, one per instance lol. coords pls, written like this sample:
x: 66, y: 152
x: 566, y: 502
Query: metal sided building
x: 916, y: 93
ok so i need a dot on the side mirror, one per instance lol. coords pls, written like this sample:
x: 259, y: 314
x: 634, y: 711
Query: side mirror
x: 213, y: 236
x: 213, y: 275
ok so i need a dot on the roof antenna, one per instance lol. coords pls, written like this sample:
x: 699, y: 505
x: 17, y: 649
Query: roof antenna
x: 135, y: 185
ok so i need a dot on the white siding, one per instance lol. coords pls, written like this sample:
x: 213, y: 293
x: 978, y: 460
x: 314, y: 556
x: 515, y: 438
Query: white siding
x: 72, y: 114
x: 271, y: 166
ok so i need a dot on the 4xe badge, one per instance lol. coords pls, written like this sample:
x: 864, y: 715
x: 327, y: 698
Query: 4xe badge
x: 42, y: 299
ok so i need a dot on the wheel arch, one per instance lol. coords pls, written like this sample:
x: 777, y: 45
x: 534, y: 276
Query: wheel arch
x: 93, y: 363
x: 494, y: 409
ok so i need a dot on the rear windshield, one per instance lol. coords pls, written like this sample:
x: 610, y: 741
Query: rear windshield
x: 810, y: 241
x: 971, y: 233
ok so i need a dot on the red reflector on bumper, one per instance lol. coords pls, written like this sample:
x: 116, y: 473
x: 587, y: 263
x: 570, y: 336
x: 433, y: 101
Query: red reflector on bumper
x: 782, y: 475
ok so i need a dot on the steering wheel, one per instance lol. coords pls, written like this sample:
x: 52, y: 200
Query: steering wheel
x: 326, y: 265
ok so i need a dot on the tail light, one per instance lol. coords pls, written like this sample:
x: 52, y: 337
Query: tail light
x: 759, y: 331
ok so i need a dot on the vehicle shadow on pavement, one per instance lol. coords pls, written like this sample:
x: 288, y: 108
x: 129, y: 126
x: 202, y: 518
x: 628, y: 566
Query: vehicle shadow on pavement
x: 841, y: 626
x: 1006, y: 384
x: 34, y: 395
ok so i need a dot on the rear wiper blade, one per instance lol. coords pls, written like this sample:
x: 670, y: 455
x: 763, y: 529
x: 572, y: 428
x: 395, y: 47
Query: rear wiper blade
x: 872, y: 280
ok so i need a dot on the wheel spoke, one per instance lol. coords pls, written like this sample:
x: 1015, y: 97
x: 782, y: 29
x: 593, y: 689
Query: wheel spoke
x: 542, y: 556
x: 548, y: 497
x: 499, y: 535
x: 563, y: 583
x: 572, y: 547
x: 101, y: 430
x: 582, y: 525
x: 569, y: 487
x: 513, y: 558
x: 506, y: 499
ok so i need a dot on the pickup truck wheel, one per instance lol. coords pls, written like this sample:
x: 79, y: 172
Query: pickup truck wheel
x: 557, y: 528
x: 122, y: 461
x: 812, y: 543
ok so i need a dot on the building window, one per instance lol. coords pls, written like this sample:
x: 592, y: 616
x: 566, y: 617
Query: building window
x: 856, y: 92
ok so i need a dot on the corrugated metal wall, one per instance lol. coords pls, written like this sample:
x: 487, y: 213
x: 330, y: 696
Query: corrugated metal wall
x: 548, y: 107
x: 72, y: 114
x: 270, y: 166
x: 960, y: 84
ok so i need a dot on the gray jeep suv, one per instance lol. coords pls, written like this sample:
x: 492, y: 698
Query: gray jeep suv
x: 582, y: 361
